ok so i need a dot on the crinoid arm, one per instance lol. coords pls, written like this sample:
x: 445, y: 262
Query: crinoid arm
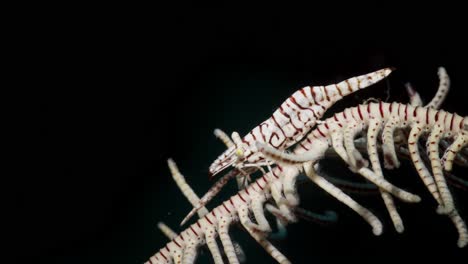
x: 438, y: 123
x: 216, y: 223
x: 289, y: 159
x: 367, y: 215
x: 442, y: 91
x: 186, y: 190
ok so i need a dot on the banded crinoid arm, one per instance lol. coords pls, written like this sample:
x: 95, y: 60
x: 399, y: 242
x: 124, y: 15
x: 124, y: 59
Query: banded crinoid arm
x: 167, y: 231
x: 452, y: 151
x: 440, y: 124
x: 186, y: 190
x: 436, y: 102
x: 293, y: 119
x: 183, y: 248
x: 193, y: 198
x: 289, y: 189
x: 366, y: 188
x: 415, y: 100
x: 444, y: 86
x: 441, y: 94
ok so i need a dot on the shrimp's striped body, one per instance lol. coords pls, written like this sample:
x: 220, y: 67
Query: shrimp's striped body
x: 287, y: 126
x: 292, y: 120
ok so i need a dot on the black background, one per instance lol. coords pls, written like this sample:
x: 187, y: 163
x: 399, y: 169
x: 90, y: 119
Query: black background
x: 118, y: 96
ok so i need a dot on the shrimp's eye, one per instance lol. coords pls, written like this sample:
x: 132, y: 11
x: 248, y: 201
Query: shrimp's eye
x: 239, y: 153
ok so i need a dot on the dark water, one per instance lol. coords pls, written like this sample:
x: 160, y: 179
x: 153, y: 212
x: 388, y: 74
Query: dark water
x: 128, y: 98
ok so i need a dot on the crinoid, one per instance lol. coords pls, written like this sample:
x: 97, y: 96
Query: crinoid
x: 356, y: 135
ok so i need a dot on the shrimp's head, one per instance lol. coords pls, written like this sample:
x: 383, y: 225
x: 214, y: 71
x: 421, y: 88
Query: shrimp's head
x: 237, y: 156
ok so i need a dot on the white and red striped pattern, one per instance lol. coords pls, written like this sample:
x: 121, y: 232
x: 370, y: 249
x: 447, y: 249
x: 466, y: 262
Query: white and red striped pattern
x: 288, y: 124
x: 183, y: 247
x: 387, y: 116
x: 294, y: 119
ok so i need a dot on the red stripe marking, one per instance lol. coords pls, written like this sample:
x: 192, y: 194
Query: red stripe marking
x: 254, y: 137
x: 344, y: 114
x: 163, y: 255
x: 349, y: 86
x: 264, y: 179
x: 213, y: 213
x: 326, y: 93
x: 284, y: 113
x: 352, y: 114
x: 279, y: 168
x: 313, y: 93
x: 230, y: 200
x: 274, y: 174
x: 406, y: 112
x: 242, y: 198
x: 318, y: 129
x: 390, y: 108
x: 208, y: 219
x: 381, y: 109
x: 295, y: 127
x: 261, y: 131
x: 315, y: 115
x: 326, y: 126
x: 167, y: 249
x: 176, y: 243
x: 250, y: 154
x: 303, y: 146
x: 461, y: 123
x: 296, y: 103
x: 415, y: 112
x: 336, y: 118
x: 259, y: 186
x: 198, y: 224
x: 247, y: 191
x: 368, y: 108
x: 193, y: 230
x: 451, y: 122
x: 281, y: 129
x: 303, y: 92
x: 399, y: 109
x: 339, y: 90
x: 359, y: 112
x: 437, y: 116
x: 427, y: 116
x: 225, y: 207
x: 182, y: 237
